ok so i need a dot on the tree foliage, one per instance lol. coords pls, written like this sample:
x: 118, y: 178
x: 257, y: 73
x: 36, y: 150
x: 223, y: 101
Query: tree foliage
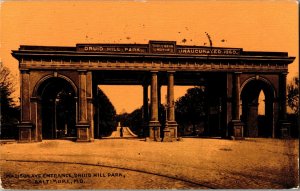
x: 6, y: 89
x: 293, y: 95
x: 192, y: 107
x: 9, y: 112
x: 107, y: 114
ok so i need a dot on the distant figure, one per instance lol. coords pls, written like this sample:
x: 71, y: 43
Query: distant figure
x: 121, y: 132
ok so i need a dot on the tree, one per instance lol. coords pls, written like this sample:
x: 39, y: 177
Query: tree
x: 9, y: 112
x: 293, y: 95
x: 106, y: 116
x: 191, y: 108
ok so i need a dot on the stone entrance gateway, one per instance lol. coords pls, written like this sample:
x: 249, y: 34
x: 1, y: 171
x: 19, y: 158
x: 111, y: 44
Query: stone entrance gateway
x: 64, y: 81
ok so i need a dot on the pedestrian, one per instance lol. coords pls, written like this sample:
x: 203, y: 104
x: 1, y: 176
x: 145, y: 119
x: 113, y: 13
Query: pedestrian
x: 121, y: 132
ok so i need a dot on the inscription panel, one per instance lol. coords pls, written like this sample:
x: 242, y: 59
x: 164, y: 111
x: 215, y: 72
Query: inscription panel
x: 112, y: 48
x: 160, y: 47
x: 208, y: 51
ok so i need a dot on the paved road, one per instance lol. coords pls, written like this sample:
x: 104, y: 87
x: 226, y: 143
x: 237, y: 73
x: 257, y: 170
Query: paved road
x: 192, y: 163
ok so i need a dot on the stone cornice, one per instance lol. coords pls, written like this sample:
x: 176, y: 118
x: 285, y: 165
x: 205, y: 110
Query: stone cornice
x: 155, y: 56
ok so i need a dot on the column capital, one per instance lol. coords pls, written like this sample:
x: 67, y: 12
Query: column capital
x: 171, y: 72
x: 35, y: 99
x: 237, y: 73
x: 82, y: 71
x: 145, y: 84
x: 24, y: 71
x: 154, y: 71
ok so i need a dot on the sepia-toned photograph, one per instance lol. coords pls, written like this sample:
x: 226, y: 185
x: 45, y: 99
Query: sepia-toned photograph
x: 149, y: 94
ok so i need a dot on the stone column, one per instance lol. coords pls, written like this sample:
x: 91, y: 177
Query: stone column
x: 154, y: 97
x: 82, y: 118
x: 145, y: 111
x: 170, y: 132
x: 25, y: 97
x: 82, y: 125
x: 159, y: 102
x: 25, y: 127
x: 90, y: 104
x: 154, y: 125
x: 97, y: 125
x: 236, y: 96
x: 36, y: 117
x: 170, y: 97
x: 237, y: 131
x: 228, y: 104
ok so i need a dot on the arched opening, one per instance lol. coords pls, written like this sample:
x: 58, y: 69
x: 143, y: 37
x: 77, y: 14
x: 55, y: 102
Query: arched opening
x: 58, y: 109
x: 257, y: 99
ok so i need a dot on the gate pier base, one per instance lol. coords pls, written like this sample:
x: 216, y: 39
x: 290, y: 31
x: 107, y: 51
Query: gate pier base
x: 83, y: 132
x: 237, y: 130
x: 170, y: 131
x: 25, y: 131
x: 285, y: 127
x: 154, y: 131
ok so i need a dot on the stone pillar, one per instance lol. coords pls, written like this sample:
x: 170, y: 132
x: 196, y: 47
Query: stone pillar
x: 97, y: 125
x: 25, y: 96
x: 82, y: 117
x: 236, y: 97
x: 170, y: 97
x: 229, y: 117
x: 154, y: 125
x: 237, y: 130
x: 90, y: 104
x: 25, y: 126
x: 170, y: 131
x: 36, y: 117
x: 145, y: 110
x: 283, y: 123
x: 82, y: 125
x: 159, y: 102
x: 154, y: 97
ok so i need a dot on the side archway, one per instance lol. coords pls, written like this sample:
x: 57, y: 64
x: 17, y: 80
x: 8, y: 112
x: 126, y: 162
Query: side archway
x: 38, y: 85
x: 57, y: 113
x: 258, y: 123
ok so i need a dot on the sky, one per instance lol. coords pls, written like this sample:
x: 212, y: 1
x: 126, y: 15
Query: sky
x: 251, y: 25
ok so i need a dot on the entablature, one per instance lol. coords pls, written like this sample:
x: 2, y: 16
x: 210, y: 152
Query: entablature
x: 157, y: 55
x: 155, y: 65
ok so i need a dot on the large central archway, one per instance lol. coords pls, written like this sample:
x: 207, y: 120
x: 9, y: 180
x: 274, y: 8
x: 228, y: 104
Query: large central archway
x: 58, y: 106
x: 257, y: 125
